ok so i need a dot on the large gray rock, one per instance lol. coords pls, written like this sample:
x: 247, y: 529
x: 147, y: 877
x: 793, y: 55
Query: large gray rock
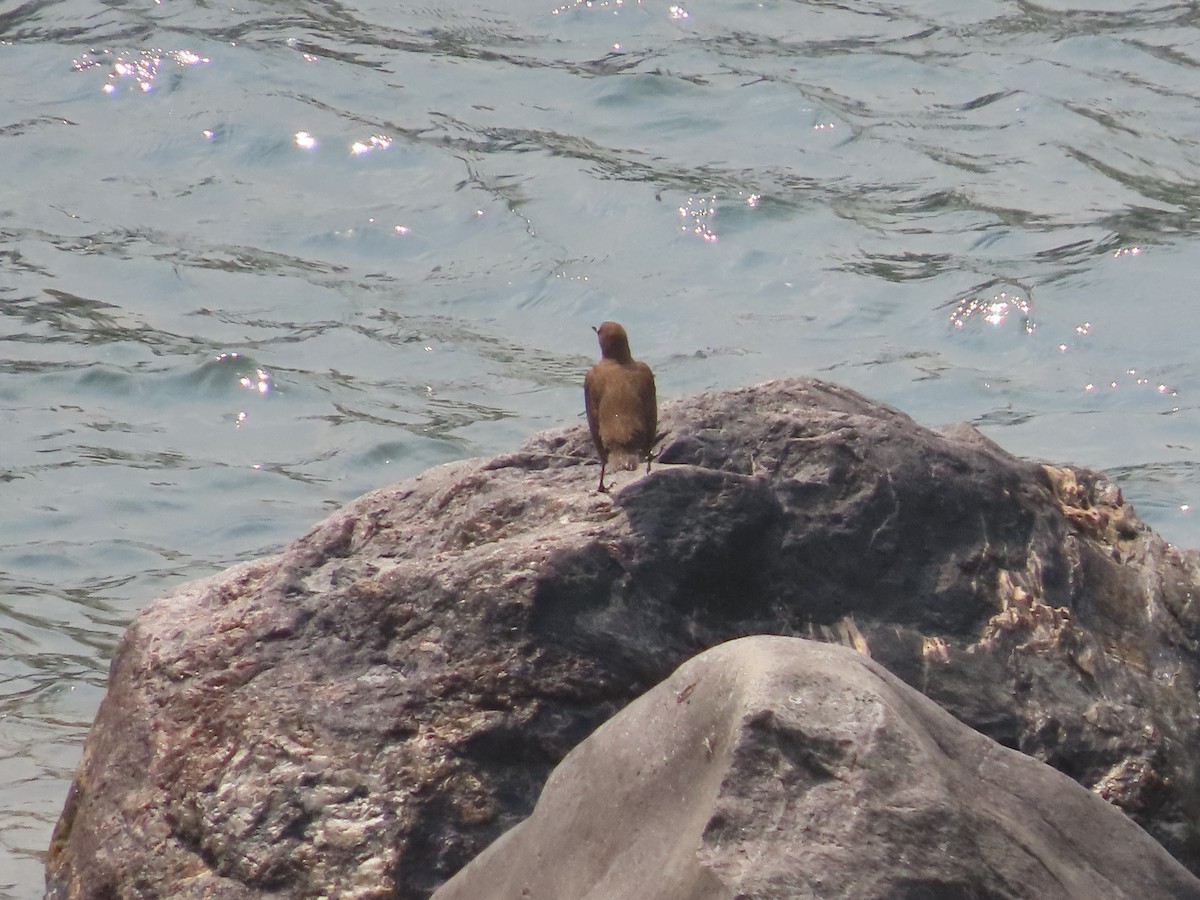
x: 362, y: 714
x: 774, y: 768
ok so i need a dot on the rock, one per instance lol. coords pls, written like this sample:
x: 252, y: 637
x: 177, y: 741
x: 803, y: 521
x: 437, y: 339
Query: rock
x: 775, y: 768
x: 362, y: 714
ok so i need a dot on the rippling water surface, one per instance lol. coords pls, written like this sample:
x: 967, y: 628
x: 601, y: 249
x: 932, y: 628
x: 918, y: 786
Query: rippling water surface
x: 256, y: 259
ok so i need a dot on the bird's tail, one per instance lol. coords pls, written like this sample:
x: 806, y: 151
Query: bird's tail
x: 623, y: 460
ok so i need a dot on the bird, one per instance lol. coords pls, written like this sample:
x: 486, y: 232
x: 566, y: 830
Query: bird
x: 621, y: 404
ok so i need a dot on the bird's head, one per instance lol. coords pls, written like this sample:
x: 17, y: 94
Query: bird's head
x: 614, y: 342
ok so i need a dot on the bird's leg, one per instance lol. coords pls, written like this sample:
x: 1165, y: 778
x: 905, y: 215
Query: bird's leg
x: 600, y: 488
x: 652, y: 454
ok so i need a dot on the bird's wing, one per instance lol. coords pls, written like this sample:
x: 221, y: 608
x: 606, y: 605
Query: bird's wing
x: 591, y: 405
x: 649, y: 396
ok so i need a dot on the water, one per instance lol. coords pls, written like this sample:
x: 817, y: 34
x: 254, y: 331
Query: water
x: 257, y: 259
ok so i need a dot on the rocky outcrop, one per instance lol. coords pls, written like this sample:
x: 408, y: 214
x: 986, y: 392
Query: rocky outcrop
x: 362, y: 714
x: 776, y: 768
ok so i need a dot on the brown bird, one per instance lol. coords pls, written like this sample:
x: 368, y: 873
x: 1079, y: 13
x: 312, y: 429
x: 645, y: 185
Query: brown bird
x: 621, y: 404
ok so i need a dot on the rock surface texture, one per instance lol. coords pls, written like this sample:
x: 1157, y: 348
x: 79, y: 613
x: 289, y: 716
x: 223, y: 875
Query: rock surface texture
x: 364, y: 713
x: 777, y: 768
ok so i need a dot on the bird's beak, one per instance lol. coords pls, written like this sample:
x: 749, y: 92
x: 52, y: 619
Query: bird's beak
x: 595, y: 329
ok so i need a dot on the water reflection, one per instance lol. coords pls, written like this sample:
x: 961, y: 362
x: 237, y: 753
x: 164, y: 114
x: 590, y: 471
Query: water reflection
x: 995, y: 310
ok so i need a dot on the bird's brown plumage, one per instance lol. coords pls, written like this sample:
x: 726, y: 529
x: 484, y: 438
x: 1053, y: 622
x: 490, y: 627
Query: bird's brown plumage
x: 621, y: 403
